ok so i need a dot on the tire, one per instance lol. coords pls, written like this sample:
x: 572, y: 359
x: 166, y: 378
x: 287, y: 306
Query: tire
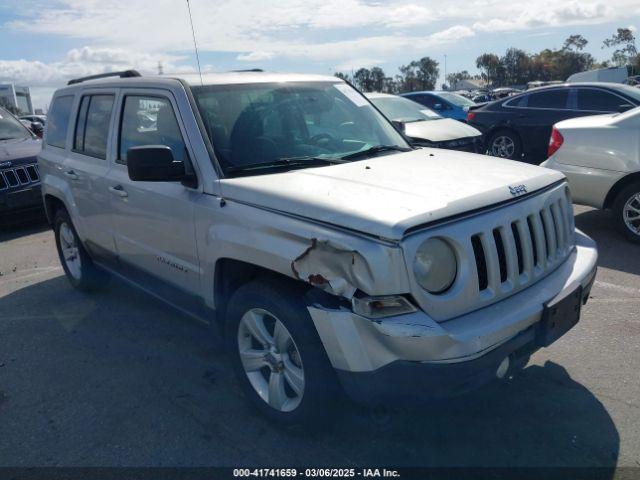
x: 505, y: 144
x: 625, y: 208
x: 291, y: 402
x: 78, y: 266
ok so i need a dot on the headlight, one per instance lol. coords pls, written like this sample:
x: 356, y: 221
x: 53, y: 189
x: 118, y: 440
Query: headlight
x: 435, y: 265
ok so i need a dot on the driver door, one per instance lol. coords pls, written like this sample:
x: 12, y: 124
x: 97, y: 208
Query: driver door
x: 154, y: 221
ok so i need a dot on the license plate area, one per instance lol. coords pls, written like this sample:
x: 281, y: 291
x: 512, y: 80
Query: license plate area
x: 559, y: 316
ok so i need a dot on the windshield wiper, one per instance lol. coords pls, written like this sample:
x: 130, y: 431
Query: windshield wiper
x: 285, y: 163
x: 373, y: 150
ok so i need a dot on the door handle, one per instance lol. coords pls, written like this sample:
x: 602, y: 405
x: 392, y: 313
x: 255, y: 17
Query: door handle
x: 118, y: 190
x: 72, y: 175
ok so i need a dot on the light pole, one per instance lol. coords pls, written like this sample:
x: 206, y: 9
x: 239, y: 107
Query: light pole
x: 445, y: 70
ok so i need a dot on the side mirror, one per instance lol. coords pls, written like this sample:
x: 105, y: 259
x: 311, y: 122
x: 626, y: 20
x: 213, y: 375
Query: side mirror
x: 37, y: 128
x: 154, y: 163
x: 625, y: 107
x: 437, y: 106
x: 400, y: 125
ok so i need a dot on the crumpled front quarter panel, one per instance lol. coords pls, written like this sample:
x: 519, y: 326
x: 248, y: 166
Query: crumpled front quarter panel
x: 339, y: 262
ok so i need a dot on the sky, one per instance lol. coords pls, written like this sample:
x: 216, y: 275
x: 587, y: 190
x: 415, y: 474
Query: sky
x: 44, y: 43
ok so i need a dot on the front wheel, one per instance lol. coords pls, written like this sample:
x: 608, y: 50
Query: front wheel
x: 505, y: 144
x: 277, y: 354
x: 626, y: 209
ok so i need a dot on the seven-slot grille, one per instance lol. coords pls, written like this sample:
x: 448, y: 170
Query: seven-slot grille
x: 517, y: 252
x: 19, y: 176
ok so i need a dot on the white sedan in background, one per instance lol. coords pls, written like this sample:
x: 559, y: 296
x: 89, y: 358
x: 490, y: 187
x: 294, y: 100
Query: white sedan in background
x: 600, y: 155
x: 425, y: 127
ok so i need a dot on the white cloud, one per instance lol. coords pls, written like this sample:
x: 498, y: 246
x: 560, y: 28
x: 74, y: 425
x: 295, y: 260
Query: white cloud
x: 554, y: 14
x: 344, y: 34
x: 256, y: 56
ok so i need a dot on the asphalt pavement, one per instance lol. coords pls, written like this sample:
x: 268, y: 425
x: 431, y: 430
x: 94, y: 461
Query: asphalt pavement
x: 119, y: 379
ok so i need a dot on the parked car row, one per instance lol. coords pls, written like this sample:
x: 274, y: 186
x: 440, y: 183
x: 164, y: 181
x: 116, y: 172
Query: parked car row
x: 519, y: 127
x: 426, y: 128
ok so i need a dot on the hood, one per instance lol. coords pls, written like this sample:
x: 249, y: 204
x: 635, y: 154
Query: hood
x: 441, y: 130
x: 19, y: 150
x: 386, y: 195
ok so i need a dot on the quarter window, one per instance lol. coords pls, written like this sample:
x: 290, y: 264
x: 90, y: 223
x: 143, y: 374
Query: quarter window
x: 556, y: 99
x: 598, y: 100
x: 427, y: 100
x: 92, y: 128
x: 149, y: 121
x: 59, y: 121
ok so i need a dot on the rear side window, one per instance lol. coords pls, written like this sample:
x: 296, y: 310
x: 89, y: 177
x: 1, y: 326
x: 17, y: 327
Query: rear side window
x: 520, y: 101
x: 426, y: 100
x: 92, y: 128
x: 149, y: 121
x: 58, y: 121
x: 598, y: 100
x: 549, y: 99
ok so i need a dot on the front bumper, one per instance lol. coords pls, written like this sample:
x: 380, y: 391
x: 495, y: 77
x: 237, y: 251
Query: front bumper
x: 20, y: 200
x: 413, y: 354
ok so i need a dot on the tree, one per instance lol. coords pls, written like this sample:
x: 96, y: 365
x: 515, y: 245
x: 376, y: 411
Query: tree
x: 377, y: 79
x: 575, y: 43
x: 390, y: 85
x: 627, y: 53
x: 362, y: 79
x: 517, y: 66
x: 418, y: 75
x: 453, y: 78
x: 491, y: 68
x: 344, y: 76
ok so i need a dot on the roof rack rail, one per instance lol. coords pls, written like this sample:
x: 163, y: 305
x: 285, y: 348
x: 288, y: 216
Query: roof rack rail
x: 123, y: 74
x: 249, y: 70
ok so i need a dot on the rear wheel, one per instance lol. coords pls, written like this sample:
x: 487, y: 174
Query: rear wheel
x: 505, y: 144
x: 277, y: 354
x: 77, y: 265
x: 626, y: 209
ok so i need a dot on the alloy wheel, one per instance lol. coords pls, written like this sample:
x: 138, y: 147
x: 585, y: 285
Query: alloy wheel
x: 503, y: 147
x: 70, y: 251
x: 271, y: 360
x: 631, y: 214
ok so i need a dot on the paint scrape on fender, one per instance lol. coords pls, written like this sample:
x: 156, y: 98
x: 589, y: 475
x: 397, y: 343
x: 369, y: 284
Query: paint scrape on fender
x: 333, y: 268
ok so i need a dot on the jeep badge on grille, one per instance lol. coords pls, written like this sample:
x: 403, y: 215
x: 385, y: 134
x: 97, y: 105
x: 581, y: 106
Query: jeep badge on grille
x: 518, y: 190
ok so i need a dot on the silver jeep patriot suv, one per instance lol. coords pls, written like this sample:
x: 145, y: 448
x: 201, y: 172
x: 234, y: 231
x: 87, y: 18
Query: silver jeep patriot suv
x: 290, y: 214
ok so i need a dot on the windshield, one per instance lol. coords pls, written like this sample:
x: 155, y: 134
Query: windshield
x: 403, y: 109
x: 271, y: 123
x: 10, y: 127
x: 456, y: 99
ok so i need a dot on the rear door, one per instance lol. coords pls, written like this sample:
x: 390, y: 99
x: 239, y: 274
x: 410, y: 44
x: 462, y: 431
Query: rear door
x: 87, y: 164
x: 155, y: 231
x: 540, y: 111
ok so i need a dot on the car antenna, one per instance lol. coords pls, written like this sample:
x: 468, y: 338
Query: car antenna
x: 195, y: 45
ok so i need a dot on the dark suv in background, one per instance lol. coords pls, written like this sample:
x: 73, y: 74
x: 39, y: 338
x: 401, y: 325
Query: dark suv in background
x: 19, y: 176
x: 519, y: 126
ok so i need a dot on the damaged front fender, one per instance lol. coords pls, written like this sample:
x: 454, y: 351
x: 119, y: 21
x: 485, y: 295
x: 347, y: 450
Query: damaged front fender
x: 334, y: 268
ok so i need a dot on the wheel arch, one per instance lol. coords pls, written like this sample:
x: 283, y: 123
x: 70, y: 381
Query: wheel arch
x: 230, y: 274
x: 618, y: 187
x: 52, y: 204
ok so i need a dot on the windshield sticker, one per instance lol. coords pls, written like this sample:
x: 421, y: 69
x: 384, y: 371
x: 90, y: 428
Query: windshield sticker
x: 351, y: 94
x: 429, y: 113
